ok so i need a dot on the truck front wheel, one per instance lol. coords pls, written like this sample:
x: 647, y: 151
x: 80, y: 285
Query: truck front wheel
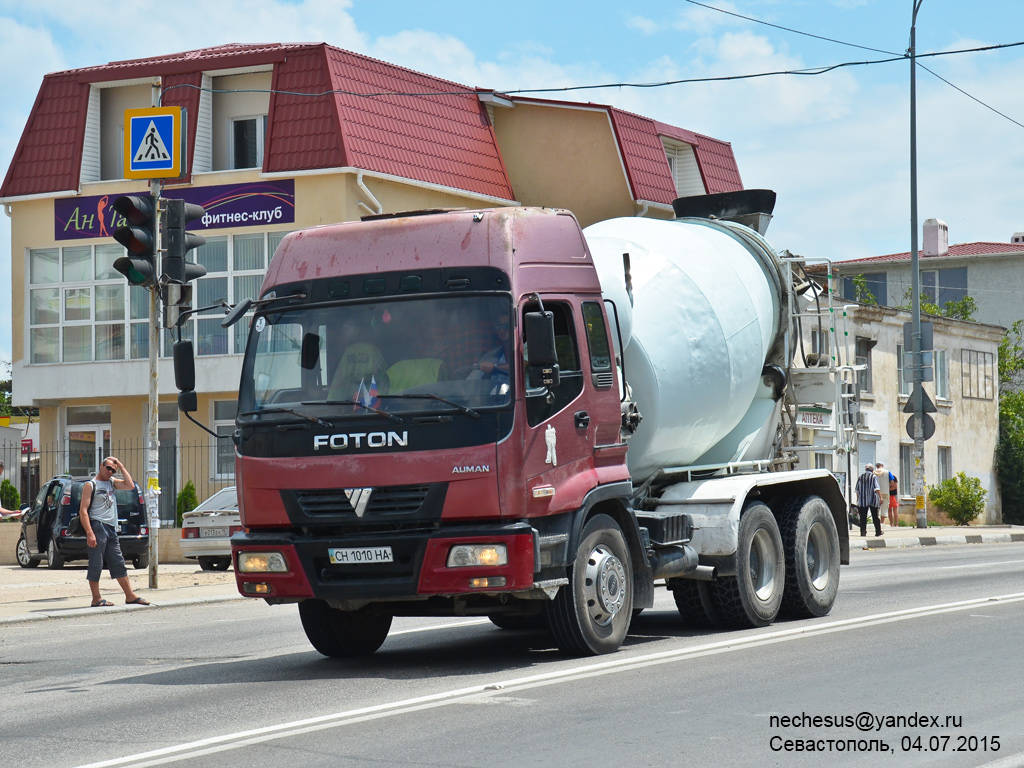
x: 591, y: 615
x: 753, y: 596
x: 343, y: 634
x: 811, y: 542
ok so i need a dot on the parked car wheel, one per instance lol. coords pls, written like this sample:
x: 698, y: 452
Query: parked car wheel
x: 21, y: 552
x: 214, y: 563
x: 140, y: 562
x: 54, y: 559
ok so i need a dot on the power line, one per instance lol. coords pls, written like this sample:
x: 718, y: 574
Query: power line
x: 787, y: 29
x: 973, y: 98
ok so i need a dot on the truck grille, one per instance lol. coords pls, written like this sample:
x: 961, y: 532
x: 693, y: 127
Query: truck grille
x: 389, y: 500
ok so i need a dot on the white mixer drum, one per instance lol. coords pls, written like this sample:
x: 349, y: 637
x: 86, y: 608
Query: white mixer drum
x: 706, y: 309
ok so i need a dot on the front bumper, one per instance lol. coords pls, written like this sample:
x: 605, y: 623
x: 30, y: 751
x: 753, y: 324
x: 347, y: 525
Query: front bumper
x: 419, y: 569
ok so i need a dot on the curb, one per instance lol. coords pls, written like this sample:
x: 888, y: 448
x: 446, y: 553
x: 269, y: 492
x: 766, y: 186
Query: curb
x: 62, y: 613
x: 899, y: 542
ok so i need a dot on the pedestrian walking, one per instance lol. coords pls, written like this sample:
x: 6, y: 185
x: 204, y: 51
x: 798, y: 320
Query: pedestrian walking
x: 883, y: 487
x: 894, y: 501
x: 98, y: 513
x: 869, y: 498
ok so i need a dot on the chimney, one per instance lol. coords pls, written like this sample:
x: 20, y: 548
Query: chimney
x: 936, y: 238
x: 1018, y: 237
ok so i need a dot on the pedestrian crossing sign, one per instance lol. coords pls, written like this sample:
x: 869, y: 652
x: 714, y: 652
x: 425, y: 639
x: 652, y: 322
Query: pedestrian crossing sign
x: 154, y: 143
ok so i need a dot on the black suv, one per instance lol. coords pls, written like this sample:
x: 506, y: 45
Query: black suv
x: 44, y: 526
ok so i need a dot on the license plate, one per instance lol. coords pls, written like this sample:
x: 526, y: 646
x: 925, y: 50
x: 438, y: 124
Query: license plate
x: 360, y: 555
x: 221, y: 532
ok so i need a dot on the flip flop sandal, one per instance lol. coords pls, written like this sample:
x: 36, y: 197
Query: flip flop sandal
x: 103, y: 604
x: 137, y: 601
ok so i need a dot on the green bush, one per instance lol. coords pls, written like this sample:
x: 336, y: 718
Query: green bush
x: 962, y: 498
x: 9, y: 496
x: 187, y: 500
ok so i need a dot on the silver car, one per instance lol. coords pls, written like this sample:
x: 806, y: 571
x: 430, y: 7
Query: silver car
x: 206, y: 530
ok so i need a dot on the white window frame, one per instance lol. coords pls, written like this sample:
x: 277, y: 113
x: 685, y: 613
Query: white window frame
x: 944, y: 463
x: 261, y: 124
x: 941, y: 369
x: 222, y: 426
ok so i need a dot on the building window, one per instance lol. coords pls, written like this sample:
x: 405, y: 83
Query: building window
x: 874, y: 283
x: 941, y: 374
x: 247, y: 141
x: 945, y: 468
x: 80, y: 309
x: 906, y: 476
x: 863, y: 352
x: 682, y: 163
x: 224, y: 425
x: 904, y: 371
x: 976, y: 374
x: 942, y: 286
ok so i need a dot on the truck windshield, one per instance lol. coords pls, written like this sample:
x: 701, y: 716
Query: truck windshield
x: 402, y: 356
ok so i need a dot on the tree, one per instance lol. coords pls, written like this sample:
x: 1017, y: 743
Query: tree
x: 861, y: 292
x: 9, y: 496
x: 187, y: 500
x: 960, y: 497
x: 963, y: 309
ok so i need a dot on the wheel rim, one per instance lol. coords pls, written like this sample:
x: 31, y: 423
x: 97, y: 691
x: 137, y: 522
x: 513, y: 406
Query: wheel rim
x: 23, y: 551
x: 819, y: 551
x: 51, y: 553
x: 605, y: 585
x: 762, y: 564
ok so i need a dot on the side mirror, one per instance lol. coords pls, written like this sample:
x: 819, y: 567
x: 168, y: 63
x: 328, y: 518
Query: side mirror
x: 188, y: 402
x: 236, y: 313
x: 184, y: 366
x: 540, y: 334
x: 542, y: 370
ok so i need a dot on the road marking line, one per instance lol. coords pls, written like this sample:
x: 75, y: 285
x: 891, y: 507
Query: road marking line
x: 213, y: 744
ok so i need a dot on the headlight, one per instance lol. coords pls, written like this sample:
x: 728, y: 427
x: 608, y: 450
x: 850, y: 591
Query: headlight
x: 262, y: 562
x: 462, y: 555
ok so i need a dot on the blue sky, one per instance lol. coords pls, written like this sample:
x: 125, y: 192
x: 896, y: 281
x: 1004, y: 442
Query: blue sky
x: 834, y: 146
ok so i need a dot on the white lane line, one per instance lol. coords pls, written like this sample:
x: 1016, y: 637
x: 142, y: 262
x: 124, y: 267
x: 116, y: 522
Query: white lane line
x: 977, y: 565
x: 194, y: 749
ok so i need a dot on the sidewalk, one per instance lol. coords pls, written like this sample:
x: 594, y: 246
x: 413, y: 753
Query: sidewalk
x: 32, y: 594
x: 927, y: 537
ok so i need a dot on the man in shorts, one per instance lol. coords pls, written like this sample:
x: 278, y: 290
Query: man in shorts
x: 98, y: 513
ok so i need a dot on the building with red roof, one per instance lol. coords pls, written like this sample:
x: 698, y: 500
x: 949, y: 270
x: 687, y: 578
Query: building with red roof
x: 277, y: 137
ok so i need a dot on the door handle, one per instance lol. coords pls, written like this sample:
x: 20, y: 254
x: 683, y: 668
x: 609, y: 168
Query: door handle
x: 582, y: 419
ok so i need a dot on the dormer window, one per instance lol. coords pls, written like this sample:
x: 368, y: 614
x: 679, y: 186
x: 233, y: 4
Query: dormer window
x: 247, y: 141
x: 683, y: 164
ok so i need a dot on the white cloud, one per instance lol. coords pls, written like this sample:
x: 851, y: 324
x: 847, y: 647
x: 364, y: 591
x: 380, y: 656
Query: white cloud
x: 642, y: 24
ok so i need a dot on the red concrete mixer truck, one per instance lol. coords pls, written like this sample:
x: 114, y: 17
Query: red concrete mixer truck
x: 495, y: 413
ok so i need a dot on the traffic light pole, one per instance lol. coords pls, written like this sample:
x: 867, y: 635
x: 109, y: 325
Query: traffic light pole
x: 152, y: 438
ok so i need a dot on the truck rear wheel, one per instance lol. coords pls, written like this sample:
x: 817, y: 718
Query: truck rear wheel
x: 811, y: 544
x: 591, y: 614
x: 343, y: 634
x: 694, y: 602
x: 753, y: 596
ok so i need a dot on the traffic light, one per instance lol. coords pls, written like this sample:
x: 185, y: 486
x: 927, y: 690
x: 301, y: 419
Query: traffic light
x: 138, y: 235
x: 178, y: 274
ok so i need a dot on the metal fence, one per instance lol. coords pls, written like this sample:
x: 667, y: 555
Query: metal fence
x: 205, y: 465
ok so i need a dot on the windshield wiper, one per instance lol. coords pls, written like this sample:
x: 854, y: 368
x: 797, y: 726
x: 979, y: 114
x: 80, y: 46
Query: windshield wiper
x: 391, y: 416
x: 465, y: 409
x: 278, y: 409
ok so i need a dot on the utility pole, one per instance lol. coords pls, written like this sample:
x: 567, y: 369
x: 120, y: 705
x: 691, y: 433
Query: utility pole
x: 915, y: 277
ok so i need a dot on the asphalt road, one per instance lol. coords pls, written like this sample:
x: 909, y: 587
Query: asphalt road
x: 933, y: 632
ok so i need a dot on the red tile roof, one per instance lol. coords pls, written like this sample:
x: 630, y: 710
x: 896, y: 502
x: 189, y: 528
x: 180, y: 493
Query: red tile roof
x: 715, y: 159
x: 366, y: 114
x: 962, y: 249
x: 444, y: 139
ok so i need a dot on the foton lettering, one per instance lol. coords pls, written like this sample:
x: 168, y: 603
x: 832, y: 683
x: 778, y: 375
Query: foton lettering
x: 360, y: 439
